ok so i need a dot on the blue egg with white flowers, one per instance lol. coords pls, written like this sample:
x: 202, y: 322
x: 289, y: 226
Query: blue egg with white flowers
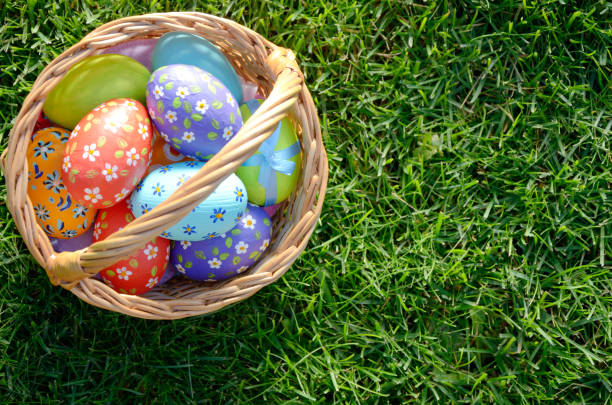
x: 217, y: 214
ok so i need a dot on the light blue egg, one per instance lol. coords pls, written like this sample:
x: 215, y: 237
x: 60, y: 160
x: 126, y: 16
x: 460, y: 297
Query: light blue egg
x: 189, y: 49
x: 219, y: 213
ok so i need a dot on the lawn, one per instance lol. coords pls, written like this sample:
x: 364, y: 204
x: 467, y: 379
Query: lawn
x: 464, y: 249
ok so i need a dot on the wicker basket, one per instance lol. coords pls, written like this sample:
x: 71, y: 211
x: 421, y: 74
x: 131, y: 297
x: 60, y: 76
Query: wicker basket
x: 275, y: 71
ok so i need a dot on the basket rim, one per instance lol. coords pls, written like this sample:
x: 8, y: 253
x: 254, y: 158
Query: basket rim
x: 295, y: 230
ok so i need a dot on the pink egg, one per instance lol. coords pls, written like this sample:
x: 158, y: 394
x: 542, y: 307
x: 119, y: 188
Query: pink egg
x: 139, y: 49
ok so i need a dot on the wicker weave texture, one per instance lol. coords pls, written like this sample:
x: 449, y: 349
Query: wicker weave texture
x: 276, y: 72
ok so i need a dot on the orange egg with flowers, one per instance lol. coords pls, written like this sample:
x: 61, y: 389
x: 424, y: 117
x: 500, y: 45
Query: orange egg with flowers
x: 55, y: 210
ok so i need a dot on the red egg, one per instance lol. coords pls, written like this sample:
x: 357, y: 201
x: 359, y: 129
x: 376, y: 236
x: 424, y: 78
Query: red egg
x: 140, y: 272
x: 108, y: 153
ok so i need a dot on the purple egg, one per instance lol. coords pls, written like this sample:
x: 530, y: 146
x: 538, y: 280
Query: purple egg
x: 139, y: 49
x: 168, y: 274
x: 192, y: 110
x: 72, y: 244
x: 226, y: 255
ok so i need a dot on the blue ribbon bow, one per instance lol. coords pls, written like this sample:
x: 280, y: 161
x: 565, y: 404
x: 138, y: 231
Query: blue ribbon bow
x: 271, y: 161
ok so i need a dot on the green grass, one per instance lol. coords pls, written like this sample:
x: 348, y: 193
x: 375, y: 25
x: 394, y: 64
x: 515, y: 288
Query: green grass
x: 464, y: 249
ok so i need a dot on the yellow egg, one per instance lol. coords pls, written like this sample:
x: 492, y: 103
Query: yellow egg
x: 54, y: 209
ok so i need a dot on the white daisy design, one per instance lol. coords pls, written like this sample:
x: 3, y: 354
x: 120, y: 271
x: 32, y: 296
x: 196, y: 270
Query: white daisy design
x: 185, y: 244
x: 249, y: 222
x: 205, y: 77
x: 132, y: 157
x: 201, y: 106
x: 214, y: 263
x: 165, y: 136
x: 182, y: 92
x: 159, y: 92
x: 131, y: 105
x: 142, y: 130
x: 241, y: 248
x: 97, y: 231
x: 180, y: 268
x: 188, y: 137
x: 121, y: 195
x: 123, y: 273
x: 240, y: 270
x: 90, y: 152
x: 228, y: 132
x: 171, y: 116
x: 151, y: 252
x: 230, y: 99
x: 152, y: 282
x: 101, y: 106
x: 93, y: 195
x: 152, y: 113
x: 112, y: 125
x: 109, y: 172
x: 66, y: 164
x: 264, y: 244
x: 75, y: 131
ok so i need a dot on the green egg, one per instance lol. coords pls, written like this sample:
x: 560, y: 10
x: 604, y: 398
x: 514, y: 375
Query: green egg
x: 91, y: 82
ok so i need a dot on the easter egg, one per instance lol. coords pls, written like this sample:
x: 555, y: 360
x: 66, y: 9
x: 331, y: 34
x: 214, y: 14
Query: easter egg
x: 108, y: 153
x: 42, y: 122
x: 271, y: 209
x: 188, y: 49
x: 140, y: 50
x: 92, y: 81
x: 228, y: 254
x: 140, y: 272
x: 76, y: 243
x: 163, y: 153
x: 216, y: 214
x: 271, y: 173
x: 249, y: 90
x: 55, y: 209
x: 192, y: 110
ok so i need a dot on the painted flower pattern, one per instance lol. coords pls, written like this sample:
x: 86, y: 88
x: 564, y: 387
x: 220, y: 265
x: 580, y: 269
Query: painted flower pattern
x: 171, y: 116
x: 230, y: 100
x: 97, y: 231
x: 69, y: 233
x: 53, y: 182
x: 185, y: 244
x: 66, y: 164
x: 152, y: 282
x: 159, y: 92
x: 79, y: 210
x: 241, y: 247
x: 123, y: 273
x: 166, y: 234
x: 75, y: 131
x: 41, y: 212
x: 249, y: 222
x: 264, y: 244
x: 151, y: 251
x: 217, y: 214
x: 143, y: 131
x: 239, y: 194
x: 132, y: 157
x: 201, y: 106
x: 109, y: 172
x: 145, y: 208
x: 214, y: 263
x: 180, y: 268
x: 158, y: 189
x: 131, y: 105
x: 211, y: 235
x: 93, y: 195
x: 111, y: 124
x: 182, y: 92
x: 241, y: 269
x: 90, y: 152
x: 189, y: 229
x: 188, y: 137
x: 42, y: 149
x: 228, y: 132
x: 122, y: 194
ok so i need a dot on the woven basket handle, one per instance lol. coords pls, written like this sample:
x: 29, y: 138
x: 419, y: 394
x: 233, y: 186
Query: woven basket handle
x: 67, y: 268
